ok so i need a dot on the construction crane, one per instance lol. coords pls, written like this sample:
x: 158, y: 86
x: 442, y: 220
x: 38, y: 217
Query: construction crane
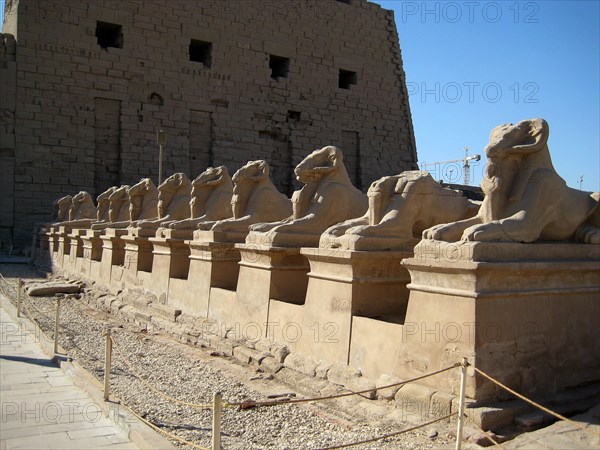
x: 465, y: 161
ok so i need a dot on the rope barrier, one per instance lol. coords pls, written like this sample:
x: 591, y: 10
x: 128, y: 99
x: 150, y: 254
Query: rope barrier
x: 397, y: 433
x: 252, y: 404
x: 537, y: 405
x: 152, y: 388
x: 164, y: 432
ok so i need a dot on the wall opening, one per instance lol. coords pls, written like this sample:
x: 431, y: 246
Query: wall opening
x: 279, y: 66
x: 346, y: 79
x: 201, y: 51
x: 109, y: 35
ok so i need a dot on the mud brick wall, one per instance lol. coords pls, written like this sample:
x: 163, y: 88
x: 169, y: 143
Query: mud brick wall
x: 228, y: 80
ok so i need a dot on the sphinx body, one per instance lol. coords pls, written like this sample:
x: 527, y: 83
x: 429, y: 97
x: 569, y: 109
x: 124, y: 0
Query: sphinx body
x: 327, y: 198
x: 82, y: 212
x: 255, y: 199
x: 143, y: 201
x: 173, y: 202
x: 400, y: 208
x: 526, y: 200
x: 62, y: 207
x: 113, y: 207
x: 210, y: 198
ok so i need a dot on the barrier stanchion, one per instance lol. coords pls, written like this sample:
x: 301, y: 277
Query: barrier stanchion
x: 461, y: 404
x: 56, y: 325
x: 107, y: 364
x: 19, y: 285
x: 216, y: 421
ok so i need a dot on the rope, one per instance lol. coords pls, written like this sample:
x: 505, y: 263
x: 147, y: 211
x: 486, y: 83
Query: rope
x: 537, y: 405
x: 152, y: 388
x: 397, y: 433
x: 160, y: 430
x: 491, y: 439
x: 252, y: 404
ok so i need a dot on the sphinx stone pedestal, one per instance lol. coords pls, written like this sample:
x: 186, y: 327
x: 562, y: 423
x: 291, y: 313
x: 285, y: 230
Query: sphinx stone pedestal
x: 212, y: 266
x: 343, y: 284
x: 137, y: 264
x: 113, y: 253
x: 170, y: 260
x: 266, y: 274
x: 72, y: 264
x: 527, y: 314
x: 62, y: 246
x: 92, y: 254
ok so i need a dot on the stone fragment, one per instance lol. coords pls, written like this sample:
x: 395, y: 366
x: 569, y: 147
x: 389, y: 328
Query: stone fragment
x: 390, y: 392
x: 301, y: 363
x: 52, y: 288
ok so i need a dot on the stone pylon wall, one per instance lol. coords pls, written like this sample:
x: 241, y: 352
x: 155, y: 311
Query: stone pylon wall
x: 229, y: 81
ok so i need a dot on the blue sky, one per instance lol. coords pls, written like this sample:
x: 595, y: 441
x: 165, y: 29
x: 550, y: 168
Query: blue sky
x: 472, y: 65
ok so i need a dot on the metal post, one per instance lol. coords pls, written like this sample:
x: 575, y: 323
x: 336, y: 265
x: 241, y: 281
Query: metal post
x: 107, y: 364
x: 19, y: 285
x: 461, y: 404
x: 56, y: 325
x: 216, y: 423
x: 161, y: 139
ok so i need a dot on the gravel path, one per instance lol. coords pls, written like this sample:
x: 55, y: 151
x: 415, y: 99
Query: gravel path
x: 191, y: 374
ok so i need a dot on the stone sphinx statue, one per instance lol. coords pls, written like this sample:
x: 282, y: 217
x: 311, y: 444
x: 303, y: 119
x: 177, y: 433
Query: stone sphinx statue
x: 143, y: 201
x: 255, y: 199
x: 525, y: 199
x: 103, y: 203
x: 173, y: 202
x: 113, y: 208
x: 211, y: 198
x: 62, y: 207
x: 82, y: 212
x: 327, y: 198
x: 400, y: 208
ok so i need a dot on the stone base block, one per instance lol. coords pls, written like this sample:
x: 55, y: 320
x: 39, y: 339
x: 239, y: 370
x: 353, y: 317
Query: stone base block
x: 524, y: 313
x: 268, y: 273
x: 113, y: 252
x: 220, y: 236
x: 138, y: 259
x: 374, y: 344
x: 212, y: 264
x: 343, y: 284
x: 170, y: 260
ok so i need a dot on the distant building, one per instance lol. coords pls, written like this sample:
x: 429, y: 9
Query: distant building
x: 85, y: 86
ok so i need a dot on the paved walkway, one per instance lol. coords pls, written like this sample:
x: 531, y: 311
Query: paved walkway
x: 40, y: 407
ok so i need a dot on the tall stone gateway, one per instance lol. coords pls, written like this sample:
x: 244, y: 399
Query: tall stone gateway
x: 229, y: 81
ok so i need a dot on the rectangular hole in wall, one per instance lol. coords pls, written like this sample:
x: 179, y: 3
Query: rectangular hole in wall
x: 109, y: 35
x: 201, y: 51
x: 346, y: 79
x: 279, y: 66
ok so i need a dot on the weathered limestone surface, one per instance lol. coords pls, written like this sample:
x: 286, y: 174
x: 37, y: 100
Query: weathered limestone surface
x: 97, y: 107
x: 210, y: 201
x: 255, y: 199
x: 173, y: 202
x: 143, y: 201
x: 524, y: 313
x: 82, y: 212
x: 526, y: 200
x: 400, y: 208
x: 343, y: 284
x: 328, y: 197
